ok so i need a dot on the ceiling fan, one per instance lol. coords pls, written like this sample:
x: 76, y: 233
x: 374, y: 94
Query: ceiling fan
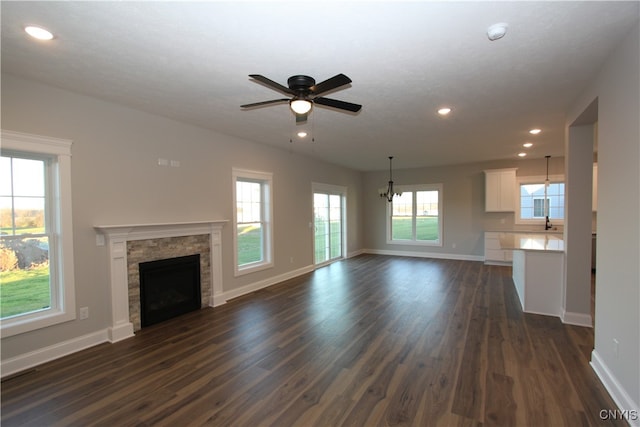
x: 305, y: 93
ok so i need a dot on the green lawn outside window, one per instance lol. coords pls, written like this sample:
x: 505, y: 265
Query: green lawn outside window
x: 426, y: 228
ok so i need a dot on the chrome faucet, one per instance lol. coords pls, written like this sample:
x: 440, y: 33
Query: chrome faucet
x: 547, y: 223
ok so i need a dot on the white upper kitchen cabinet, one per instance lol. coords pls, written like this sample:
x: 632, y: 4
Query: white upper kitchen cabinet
x: 500, y: 190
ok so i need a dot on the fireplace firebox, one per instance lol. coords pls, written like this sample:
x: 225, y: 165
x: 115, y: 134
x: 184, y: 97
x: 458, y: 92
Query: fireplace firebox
x: 169, y: 288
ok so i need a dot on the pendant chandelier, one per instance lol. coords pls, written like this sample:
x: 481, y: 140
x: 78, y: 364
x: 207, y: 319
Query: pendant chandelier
x: 389, y: 192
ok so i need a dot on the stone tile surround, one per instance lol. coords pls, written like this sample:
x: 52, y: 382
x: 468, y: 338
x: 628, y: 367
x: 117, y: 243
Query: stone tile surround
x: 163, y: 248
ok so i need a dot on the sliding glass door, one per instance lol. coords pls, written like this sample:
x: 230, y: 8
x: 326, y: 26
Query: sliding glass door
x: 328, y: 213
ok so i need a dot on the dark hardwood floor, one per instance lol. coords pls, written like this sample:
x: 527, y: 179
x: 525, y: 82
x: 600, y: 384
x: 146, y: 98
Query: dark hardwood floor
x: 373, y: 340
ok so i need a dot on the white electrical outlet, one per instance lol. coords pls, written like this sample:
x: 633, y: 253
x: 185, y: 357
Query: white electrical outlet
x: 84, y: 313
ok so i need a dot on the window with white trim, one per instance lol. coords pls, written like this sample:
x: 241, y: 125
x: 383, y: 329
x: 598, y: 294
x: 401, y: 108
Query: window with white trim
x: 36, y: 243
x: 252, y: 220
x: 533, y: 206
x: 415, y: 216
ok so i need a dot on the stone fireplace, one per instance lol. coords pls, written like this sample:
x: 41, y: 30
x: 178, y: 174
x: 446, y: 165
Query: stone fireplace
x: 130, y: 245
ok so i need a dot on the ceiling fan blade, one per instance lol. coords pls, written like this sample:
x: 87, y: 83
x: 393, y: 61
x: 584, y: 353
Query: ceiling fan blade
x: 273, y: 85
x: 301, y: 118
x: 263, y: 103
x: 329, y: 84
x: 342, y: 105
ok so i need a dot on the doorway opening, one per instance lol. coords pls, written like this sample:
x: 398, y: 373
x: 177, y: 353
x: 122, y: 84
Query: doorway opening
x: 581, y: 154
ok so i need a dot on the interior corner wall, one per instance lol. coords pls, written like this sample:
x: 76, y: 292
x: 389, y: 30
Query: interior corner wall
x: 617, y: 312
x: 577, y: 226
x: 116, y: 179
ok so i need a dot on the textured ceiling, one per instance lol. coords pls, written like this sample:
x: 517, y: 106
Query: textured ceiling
x: 190, y: 61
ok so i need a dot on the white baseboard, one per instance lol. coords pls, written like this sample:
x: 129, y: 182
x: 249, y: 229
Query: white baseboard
x: 355, y: 253
x: 628, y: 409
x: 577, y: 319
x: 265, y: 283
x: 217, y: 300
x: 47, y: 354
x: 500, y: 263
x: 120, y: 332
x: 436, y: 255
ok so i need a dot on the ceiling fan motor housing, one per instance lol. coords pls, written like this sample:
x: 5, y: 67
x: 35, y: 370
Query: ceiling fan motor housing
x: 301, y: 84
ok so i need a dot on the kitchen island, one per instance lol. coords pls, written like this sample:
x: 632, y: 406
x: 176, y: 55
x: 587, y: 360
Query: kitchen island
x: 538, y: 270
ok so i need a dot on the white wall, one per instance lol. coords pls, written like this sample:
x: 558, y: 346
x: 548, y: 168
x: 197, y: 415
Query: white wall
x: 617, y: 89
x: 116, y: 180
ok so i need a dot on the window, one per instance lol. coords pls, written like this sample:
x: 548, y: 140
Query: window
x: 532, y: 207
x: 415, y: 217
x: 36, y: 246
x: 539, y: 208
x: 252, y: 216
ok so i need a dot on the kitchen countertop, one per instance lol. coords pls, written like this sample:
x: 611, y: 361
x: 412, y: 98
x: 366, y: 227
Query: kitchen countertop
x: 525, y: 231
x: 548, y: 242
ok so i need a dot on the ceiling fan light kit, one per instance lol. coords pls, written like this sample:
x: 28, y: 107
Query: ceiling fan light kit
x: 305, y: 93
x: 300, y: 106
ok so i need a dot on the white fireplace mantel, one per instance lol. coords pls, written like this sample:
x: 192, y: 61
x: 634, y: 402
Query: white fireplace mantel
x: 117, y: 237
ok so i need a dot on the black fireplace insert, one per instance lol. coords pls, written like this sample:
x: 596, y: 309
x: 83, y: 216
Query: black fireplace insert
x: 169, y: 288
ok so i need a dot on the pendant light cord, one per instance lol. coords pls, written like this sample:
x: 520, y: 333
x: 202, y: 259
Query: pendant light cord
x: 547, y: 157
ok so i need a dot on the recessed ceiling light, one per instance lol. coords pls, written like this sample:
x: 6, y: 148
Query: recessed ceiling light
x: 302, y: 134
x: 535, y: 131
x: 522, y: 154
x: 527, y: 145
x: 38, y: 32
x: 444, y: 111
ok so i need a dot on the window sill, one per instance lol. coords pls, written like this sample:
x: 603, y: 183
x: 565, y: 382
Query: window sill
x: 34, y: 321
x: 252, y: 268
